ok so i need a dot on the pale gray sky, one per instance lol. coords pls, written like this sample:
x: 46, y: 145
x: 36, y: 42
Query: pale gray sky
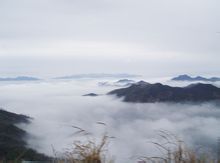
x: 151, y: 37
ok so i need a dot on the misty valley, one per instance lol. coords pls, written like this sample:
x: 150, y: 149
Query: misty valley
x: 44, y: 119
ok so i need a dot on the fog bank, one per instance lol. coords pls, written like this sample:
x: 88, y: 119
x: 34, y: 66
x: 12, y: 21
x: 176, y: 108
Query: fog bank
x: 58, y: 105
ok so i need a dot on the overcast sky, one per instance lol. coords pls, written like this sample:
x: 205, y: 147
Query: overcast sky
x: 149, y: 37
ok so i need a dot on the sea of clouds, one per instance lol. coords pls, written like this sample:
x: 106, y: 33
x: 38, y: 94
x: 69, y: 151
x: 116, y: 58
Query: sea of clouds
x: 58, y: 105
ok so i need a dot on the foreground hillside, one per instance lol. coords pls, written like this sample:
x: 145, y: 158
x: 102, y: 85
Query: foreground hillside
x: 12, y: 138
x: 13, y: 147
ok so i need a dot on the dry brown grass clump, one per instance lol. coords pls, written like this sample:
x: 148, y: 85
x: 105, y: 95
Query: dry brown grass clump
x: 174, y: 150
x: 88, y: 151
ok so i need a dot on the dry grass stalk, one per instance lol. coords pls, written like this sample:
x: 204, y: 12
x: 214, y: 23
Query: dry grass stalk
x: 175, y: 151
x: 89, y: 151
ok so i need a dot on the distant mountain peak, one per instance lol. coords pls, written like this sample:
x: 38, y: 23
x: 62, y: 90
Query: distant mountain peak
x: 142, y: 83
x: 182, y: 77
x: 185, y: 76
x: 19, y: 78
x: 197, y: 78
x: 119, y: 83
x: 98, y: 75
x: 125, y: 81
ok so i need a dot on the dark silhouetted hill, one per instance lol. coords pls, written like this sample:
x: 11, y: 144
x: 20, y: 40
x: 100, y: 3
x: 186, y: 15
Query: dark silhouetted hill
x: 91, y: 94
x: 12, y: 139
x: 146, y: 92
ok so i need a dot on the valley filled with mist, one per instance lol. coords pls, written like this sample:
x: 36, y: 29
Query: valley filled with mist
x: 56, y: 106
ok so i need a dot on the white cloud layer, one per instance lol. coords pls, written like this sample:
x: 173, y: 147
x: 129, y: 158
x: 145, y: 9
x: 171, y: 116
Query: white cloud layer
x: 58, y: 105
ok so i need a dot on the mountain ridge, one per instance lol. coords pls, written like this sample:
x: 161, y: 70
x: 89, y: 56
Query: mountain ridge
x: 197, y: 78
x: 144, y: 92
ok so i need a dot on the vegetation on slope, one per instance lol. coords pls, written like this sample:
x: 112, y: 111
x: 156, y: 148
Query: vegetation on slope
x: 12, y: 143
